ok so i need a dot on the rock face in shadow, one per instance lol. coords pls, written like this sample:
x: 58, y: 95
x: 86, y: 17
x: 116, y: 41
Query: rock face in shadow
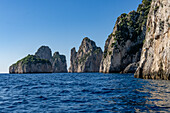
x: 124, y: 44
x: 87, y: 59
x: 58, y: 63
x: 155, y: 58
x: 131, y: 68
x: 73, y: 61
x: 41, y: 62
x: 44, y: 52
x: 31, y: 64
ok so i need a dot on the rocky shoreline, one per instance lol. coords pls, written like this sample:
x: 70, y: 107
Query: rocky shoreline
x: 139, y: 43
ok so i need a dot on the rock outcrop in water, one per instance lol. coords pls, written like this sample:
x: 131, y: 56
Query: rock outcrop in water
x: 31, y: 64
x: 131, y: 68
x: 124, y: 44
x: 155, y: 58
x: 41, y: 62
x: 58, y: 63
x: 87, y: 59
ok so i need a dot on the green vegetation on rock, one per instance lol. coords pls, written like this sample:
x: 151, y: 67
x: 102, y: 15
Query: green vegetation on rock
x: 58, y: 56
x: 110, y: 52
x: 31, y: 59
x: 156, y: 9
x: 81, y: 60
x: 113, y: 44
x: 130, y: 26
x: 97, y: 50
x: 105, y: 53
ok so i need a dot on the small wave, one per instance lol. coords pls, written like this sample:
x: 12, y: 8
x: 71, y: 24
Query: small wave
x: 41, y: 98
x: 83, y: 93
x: 65, y: 91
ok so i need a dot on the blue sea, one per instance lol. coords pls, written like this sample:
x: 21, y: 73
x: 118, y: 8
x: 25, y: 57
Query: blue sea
x: 82, y: 92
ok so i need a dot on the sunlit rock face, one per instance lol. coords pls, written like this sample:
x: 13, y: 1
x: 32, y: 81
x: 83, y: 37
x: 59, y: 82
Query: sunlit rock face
x: 155, y: 58
x: 124, y: 44
x: 87, y: 59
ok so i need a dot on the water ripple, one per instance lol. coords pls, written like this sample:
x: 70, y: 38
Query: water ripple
x: 82, y: 92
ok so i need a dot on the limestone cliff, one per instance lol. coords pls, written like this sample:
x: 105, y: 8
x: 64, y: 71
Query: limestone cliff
x: 73, y: 61
x: 124, y: 44
x: 41, y: 62
x: 155, y: 58
x: 31, y: 64
x: 87, y: 59
x: 58, y: 63
x: 44, y: 52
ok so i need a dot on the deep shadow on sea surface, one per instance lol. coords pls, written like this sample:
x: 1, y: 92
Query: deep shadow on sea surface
x: 82, y: 92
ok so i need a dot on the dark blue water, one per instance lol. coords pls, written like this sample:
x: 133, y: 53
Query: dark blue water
x: 83, y: 92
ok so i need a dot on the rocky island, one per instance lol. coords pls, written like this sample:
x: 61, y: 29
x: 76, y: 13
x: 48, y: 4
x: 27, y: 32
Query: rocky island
x: 87, y: 59
x: 41, y: 62
x: 31, y: 64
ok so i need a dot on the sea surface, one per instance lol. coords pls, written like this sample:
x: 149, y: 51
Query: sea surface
x: 82, y: 92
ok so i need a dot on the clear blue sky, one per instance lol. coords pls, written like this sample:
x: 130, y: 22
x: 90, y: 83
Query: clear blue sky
x: 25, y: 25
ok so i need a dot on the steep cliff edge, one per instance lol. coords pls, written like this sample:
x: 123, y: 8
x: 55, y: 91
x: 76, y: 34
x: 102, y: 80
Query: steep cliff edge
x: 31, y: 64
x: 124, y: 44
x: 155, y: 58
x: 87, y: 59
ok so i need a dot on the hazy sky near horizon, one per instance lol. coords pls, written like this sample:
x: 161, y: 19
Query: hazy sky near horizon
x: 25, y: 25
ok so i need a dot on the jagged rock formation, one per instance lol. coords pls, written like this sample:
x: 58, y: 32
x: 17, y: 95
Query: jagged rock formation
x: 155, y: 58
x: 58, y: 63
x: 44, y: 52
x: 73, y: 61
x: 124, y: 44
x: 87, y: 59
x: 31, y: 64
x: 41, y: 62
x: 131, y: 68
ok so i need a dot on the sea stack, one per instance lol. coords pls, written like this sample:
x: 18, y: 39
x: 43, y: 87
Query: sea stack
x: 155, y: 58
x: 58, y: 63
x: 87, y: 59
x: 124, y: 44
x: 41, y: 62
